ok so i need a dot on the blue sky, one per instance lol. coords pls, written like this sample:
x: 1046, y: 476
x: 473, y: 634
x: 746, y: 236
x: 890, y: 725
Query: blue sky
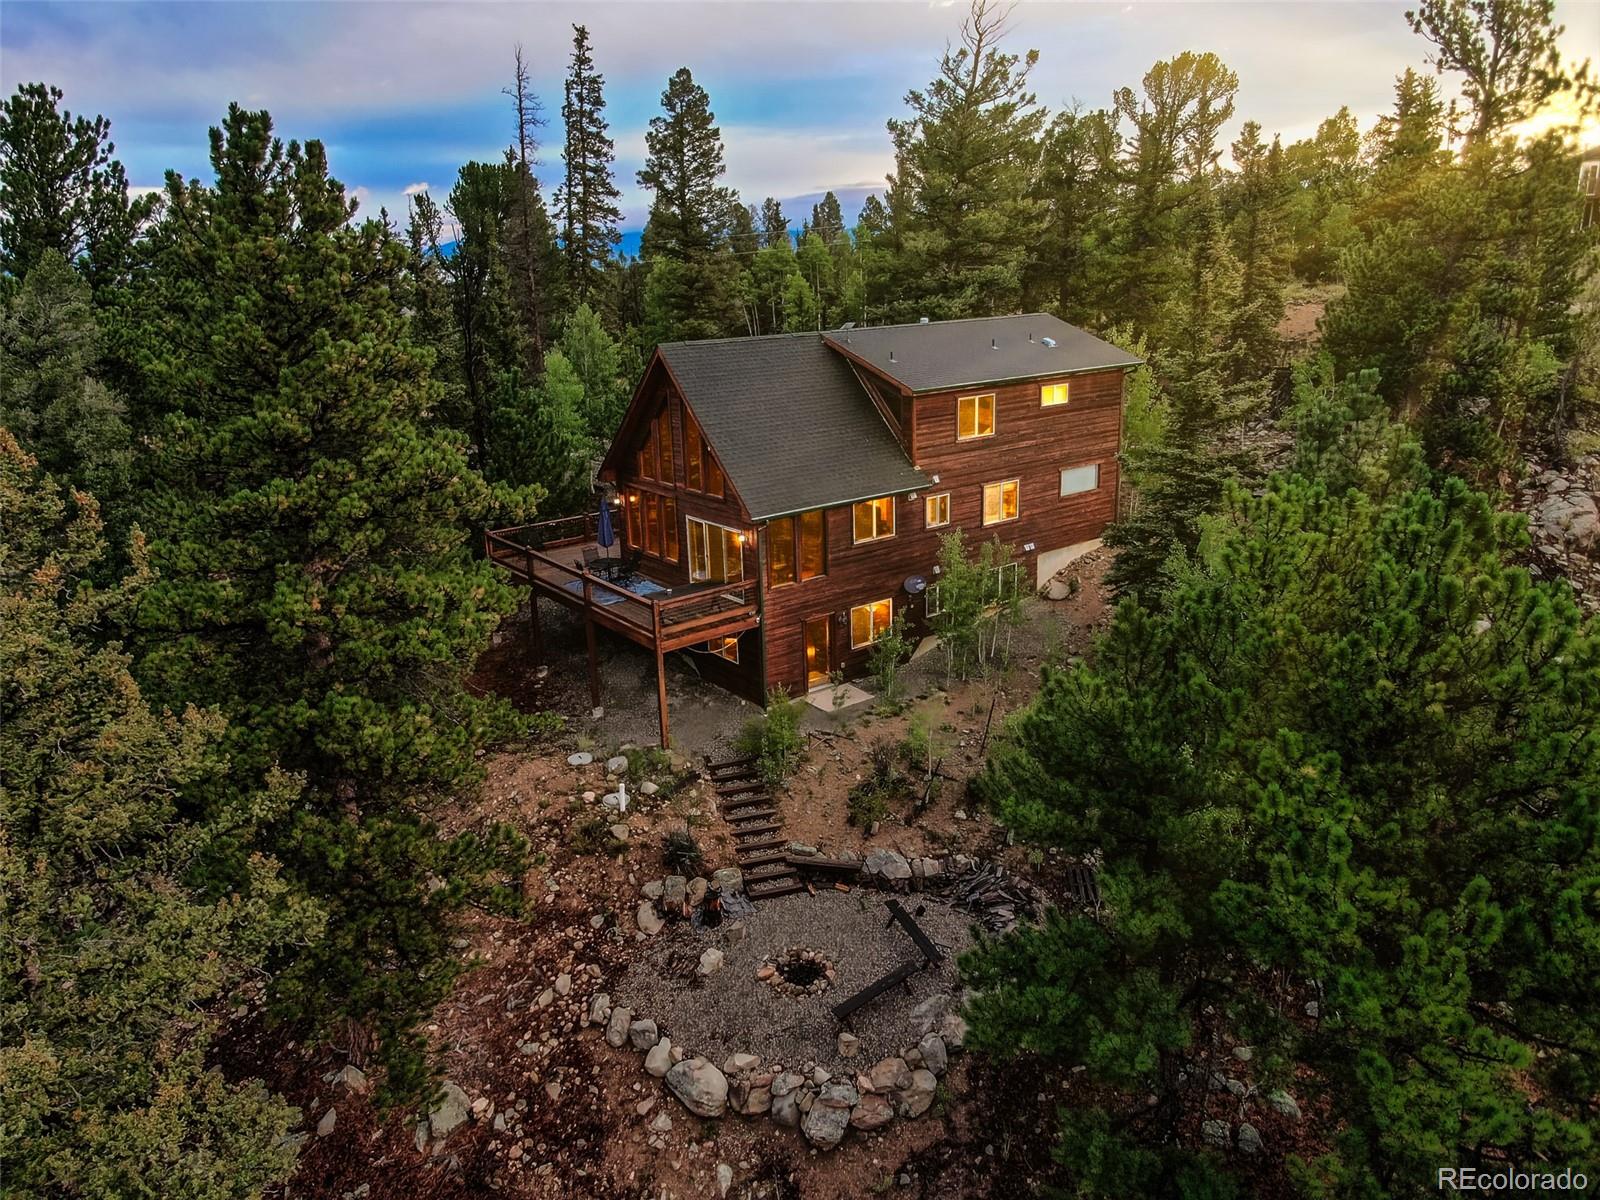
x: 403, y: 93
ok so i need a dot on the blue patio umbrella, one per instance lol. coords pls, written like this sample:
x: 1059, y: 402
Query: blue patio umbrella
x: 604, y: 534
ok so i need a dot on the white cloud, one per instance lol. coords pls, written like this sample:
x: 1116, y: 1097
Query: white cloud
x: 414, y: 189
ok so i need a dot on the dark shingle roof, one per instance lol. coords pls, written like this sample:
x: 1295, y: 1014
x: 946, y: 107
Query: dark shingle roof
x: 789, y: 422
x: 953, y: 354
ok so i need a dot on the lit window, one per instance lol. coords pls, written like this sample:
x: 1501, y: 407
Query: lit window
x: 724, y: 647
x: 785, y: 537
x: 937, y: 510
x: 1000, y: 502
x: 1080, y: 479
x: 975, y: 416
x: 874, y: 519
x: 780, y: 551
x: 869, y: 622
x: 1053, y: 393
x: 714, y: 552
x: 812, y: 556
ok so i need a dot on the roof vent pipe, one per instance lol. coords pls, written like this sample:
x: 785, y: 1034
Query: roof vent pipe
x: 1030, y: 335
x: 891, y: 356
x: 992, y: 346
x: 922, y: 320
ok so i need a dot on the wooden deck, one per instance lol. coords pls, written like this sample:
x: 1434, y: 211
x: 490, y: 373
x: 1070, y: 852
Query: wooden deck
x: 548, y: 557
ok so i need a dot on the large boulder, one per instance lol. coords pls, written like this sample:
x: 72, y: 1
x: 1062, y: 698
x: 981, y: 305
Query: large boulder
x: 751, y: 1096
x: 824, y: 1125
x: 617, y: 1026
x: 934, y: 1056
x: 729, y: 880
x: 1283, y: 1104
x: 928, y: 1015
x: 674, y: 891
x: 643, y: 1033
x: 700, y: 1086
x: 1572, y: 517
x: 887, y: 865
x: 1249, y: 1139
x: 891, y: 1074
x: 917, y: 1098
x: 599, y: 1008
x: 659, y: 1061
x: 872, y: 1112
x: 786, y: 1109
x: 649, y: 920
x: 450, y: 1112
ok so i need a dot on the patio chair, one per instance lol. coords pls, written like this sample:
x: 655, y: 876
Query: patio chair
x: 591, y: 556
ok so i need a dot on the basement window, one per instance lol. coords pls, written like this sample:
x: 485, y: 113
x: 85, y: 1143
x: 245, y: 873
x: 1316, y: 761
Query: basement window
x: 869, y: 622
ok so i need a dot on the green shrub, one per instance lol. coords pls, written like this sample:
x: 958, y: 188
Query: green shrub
x: 889, y: 653
x: 682, y: 853
x: 869, y: 800
x: 774, y: 737
x: 592, y: 835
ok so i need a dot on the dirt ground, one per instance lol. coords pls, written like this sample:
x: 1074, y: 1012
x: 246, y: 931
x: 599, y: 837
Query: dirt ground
x: 556, y: 1112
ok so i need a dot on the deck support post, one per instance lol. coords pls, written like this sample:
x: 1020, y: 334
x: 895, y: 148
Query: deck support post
x: 588, y: 637
x: 533, y: 625
x: 661, y: 674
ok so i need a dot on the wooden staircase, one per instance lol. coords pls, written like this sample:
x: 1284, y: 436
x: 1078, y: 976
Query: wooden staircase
x: 752, y: 814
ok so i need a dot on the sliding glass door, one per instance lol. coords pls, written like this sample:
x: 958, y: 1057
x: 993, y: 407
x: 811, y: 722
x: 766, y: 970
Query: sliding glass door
x: 715, y: 553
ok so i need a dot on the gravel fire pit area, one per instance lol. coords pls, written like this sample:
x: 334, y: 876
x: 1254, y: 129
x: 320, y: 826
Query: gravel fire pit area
x: 737, y: 1009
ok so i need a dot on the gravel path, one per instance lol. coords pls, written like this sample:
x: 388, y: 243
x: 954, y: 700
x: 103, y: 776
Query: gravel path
x: 733, y: 1011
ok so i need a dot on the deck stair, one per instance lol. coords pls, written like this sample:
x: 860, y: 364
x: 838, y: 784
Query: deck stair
x: 752, y: 815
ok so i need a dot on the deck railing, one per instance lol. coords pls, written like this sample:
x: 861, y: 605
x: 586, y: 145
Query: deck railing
x: 703, y: 608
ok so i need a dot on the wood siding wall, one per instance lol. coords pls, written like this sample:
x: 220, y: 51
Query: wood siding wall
x: 1031, y: 443
x: 745, y: 677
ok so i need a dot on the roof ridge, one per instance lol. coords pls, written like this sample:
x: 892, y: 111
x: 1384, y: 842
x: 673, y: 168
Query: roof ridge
x: 759, y: 337
x: 947, y: 321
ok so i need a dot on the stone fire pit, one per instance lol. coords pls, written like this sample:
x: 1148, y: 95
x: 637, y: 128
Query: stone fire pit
x: 798, y: 971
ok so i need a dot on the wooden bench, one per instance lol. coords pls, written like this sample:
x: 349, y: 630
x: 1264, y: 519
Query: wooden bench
x: 825, y: 866
x: 930, y: 952
x: 846, y: 1008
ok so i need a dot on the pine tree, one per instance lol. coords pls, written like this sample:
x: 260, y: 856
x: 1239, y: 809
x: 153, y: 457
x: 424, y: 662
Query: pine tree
x: 683, y: 162
x: 117, y: 965
x: 1257, y: 192
x: 534, y: 260
x: 308, y: 525
x: 1355, y: 747
x: 596, y: 358
x: 692, y: 287
x: 588, y: 202
x: 827, y: 220
x: 1509, y: 53
x: 1066, y: 269
x: 51, y: 395
x: 62, y: 191
x: 1168, y: 160
x: 774, y: 225
x: 540, y: 439
x: 1206, y: 397
x: 963, y: 160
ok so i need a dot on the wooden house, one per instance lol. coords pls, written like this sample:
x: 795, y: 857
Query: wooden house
x: 781, y: 498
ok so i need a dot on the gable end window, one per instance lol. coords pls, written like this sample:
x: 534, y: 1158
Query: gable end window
x: 873, y: 519
x: 1053, y: 393
x: 869, y: 622
x: 975, y: 417
x: 1080, y: 479
x: 936, y: 510
x: 1001, y: 502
